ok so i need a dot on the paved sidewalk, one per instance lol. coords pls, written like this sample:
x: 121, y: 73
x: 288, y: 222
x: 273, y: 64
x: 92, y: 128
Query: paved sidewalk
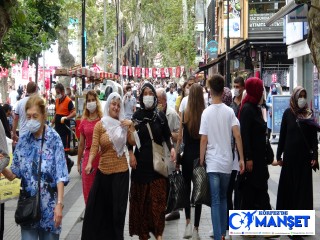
x: 74, y: 208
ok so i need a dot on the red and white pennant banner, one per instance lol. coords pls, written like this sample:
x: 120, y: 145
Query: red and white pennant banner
x: 152, y: 72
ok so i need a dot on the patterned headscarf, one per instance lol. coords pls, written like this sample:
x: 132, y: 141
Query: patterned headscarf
x: 227, y: 96
x: 301, y: 113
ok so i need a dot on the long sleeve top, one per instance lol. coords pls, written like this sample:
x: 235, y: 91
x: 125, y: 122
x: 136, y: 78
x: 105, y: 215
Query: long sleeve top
x: 109, y: 161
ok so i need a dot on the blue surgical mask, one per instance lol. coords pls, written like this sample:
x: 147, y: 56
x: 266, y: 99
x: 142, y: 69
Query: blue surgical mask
x: 33, y: 125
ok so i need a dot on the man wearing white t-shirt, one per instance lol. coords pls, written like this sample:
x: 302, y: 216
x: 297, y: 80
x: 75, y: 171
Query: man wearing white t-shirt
x: 218, y: 124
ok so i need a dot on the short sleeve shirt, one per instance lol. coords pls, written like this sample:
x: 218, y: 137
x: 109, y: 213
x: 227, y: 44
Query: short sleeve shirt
x: 217, y: 121
x: 53, y: 170
x: 21, y: 112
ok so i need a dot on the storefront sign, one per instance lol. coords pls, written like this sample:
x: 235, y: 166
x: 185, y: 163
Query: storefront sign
x: 299, y: 15
x: 279, y: 104
x: 257, y: 23
x: 233, y: 12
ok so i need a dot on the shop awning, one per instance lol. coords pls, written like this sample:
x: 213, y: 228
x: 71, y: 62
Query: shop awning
x: 288, y: 8
x: 210, y: 64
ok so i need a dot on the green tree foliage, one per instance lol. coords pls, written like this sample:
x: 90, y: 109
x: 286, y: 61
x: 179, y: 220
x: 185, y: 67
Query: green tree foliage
x: 32, y: 33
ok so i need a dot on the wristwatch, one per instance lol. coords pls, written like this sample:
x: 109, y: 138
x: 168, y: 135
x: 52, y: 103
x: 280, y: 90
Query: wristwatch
x: 60, y: 202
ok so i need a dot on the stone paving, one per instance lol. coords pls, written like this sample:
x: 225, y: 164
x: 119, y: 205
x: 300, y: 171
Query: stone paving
x: 74, y: 208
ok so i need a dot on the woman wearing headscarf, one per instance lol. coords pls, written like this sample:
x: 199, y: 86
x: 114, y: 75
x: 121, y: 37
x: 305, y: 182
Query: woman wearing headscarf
x: 295, y: 184
x: 254, y: 184
x: 107, y: 202
x: 148, y: 188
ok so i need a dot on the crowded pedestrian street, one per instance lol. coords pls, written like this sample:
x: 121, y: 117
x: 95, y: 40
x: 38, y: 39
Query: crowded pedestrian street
x: 74, y: 210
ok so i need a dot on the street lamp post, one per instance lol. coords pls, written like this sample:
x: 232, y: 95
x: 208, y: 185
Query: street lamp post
x: 227, y: 70
x: 83, y: 41
x: 117, y: 40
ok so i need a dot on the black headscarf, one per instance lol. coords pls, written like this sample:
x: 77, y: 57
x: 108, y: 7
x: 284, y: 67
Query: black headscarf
x: 144, y: 86
x: 146, y: 115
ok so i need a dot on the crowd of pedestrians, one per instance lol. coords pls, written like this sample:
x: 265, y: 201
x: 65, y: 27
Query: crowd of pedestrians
x: 226, y: 131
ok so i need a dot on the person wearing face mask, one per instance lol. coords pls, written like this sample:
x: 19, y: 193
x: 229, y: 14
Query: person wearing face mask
x: 254, y: 187
x: 238, y: 86
x: 107, y: 202
x: 64, y: 111
x: 91, y: 115
x: 129, y: 103
x: 295, y: 190
x: 148, y: 192
x: 174, y: 124
x: 20, y: 113
x: 40, y: 143
x: 273, y: 91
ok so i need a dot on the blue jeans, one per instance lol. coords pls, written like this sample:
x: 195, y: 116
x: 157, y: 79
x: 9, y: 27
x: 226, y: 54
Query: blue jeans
x: 28, y: 233
x: 219, y: 183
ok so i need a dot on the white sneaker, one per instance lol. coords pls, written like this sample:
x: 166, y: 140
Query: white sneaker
x: 195, y: 235
x: 228, y: 237
x: 188, y: 231
x: 211, y: 234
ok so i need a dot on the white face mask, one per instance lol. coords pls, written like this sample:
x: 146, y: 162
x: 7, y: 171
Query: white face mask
x: 129, y: 93
x: 91, y: 106
x: 148, y: 101
x: 187, y: 92
x: 302, y: 102
x: 236, y: 92
x: 58, y: 96
x: 33, y: 125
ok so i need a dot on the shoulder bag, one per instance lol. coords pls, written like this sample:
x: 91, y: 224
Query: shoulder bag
x: 158, y: 156
x: 181, y: 146
x: 201, y: 187
x: 28, y: 208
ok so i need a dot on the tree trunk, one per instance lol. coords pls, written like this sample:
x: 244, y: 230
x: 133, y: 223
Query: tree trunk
x: 4, y: 89
x: 314, y: 33
x: 5, y: 23
x: 65, y: 57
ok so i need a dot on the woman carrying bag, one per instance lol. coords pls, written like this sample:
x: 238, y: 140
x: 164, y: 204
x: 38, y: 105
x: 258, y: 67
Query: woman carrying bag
x: 38, y: 155
x: 148, y: 187
x: 189, y: 132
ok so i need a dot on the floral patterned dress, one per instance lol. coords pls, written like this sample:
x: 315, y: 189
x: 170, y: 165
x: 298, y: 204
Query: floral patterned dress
x: 53, y: 170
x: 86, y: 129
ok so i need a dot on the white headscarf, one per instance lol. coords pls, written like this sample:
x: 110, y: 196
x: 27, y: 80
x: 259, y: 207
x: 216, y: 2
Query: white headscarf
x: 117, y: 134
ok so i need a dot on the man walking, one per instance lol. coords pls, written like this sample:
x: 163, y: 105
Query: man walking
x: 64, y: 112
x: 129, y: 102
x: 174, y: 124
x: 20, y: 112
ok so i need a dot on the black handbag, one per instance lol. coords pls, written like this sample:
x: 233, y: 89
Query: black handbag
x: 28, y: 208
x: 178, y: 196
x: 269, y: 152
x: 201, y: 187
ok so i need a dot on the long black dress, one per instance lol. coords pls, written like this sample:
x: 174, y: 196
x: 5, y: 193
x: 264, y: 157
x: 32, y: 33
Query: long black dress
x: 254, y: 185
x: 295, y: 184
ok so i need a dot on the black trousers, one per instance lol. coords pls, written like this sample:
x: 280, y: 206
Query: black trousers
x: 106, y: 207
x: 187, y: 171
